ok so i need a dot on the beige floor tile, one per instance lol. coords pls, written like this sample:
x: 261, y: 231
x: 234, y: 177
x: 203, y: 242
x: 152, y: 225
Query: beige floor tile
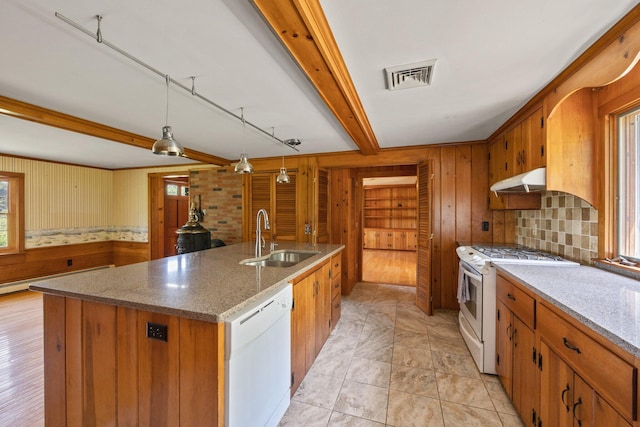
x: 318, y: 390
x: 457, y: 364
x: 373, y: 332
x: 448, y: 345
x: 411, y: 339
x: 367, y: 371
x: 467, y: 391
x: 456, y: 415
x: 410, y: 410
x: 500, y: 398
x: 375, y: 350
x: 414, y: 357
x: 509, y: 420
x: 300, y: 414
x: 363, y: 401
x: 338, y: 419
x: 332, y: 363
x: 348, y: 328
x: 414, y: 381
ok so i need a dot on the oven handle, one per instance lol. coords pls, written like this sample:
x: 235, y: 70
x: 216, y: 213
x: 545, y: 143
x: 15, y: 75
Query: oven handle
x: 470, y: 274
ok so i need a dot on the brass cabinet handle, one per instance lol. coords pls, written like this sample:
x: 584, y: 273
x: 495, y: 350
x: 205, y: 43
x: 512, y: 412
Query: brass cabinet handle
x: 511, y: 297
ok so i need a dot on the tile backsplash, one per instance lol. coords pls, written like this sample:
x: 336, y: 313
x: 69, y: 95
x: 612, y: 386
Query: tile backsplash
x: 566, y: 226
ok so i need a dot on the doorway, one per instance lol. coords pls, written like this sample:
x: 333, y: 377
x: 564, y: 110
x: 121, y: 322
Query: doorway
x: 389, y: 241
x: 176, y: 211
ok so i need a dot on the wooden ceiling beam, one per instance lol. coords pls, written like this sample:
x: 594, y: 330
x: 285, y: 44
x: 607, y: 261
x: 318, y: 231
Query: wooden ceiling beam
x: 303, y: 29
x: 34, y: 113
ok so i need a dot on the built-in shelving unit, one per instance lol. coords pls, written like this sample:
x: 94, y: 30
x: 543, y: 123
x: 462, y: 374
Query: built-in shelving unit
x: 390, y: 215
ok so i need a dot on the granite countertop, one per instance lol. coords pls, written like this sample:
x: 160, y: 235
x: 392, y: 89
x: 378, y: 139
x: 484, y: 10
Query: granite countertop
x: 605, y: 302
x: 208, y: 285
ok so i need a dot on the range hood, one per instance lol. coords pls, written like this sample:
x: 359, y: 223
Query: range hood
x: 535, y: 180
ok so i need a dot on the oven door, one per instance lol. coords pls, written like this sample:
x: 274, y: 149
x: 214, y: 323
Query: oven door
x: 472, y: 308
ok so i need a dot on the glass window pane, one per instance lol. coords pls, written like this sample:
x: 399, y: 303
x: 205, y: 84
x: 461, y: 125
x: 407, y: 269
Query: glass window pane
x: 184, y: 191
x: 628, y: 185
x: 4, y: 193
x: 3, y: 231
x: 172, y: 190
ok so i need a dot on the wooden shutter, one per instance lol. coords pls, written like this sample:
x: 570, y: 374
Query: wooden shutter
x: 423, y: 278
x: 285, y: 210
x: 260, y: 199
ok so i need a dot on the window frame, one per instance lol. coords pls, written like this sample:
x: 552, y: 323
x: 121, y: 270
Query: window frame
x: 15, y: 216
x: 635, y: 110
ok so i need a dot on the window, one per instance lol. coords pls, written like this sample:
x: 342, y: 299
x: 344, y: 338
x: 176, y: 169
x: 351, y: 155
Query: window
x: 11, y: 212
x: 628, y: 232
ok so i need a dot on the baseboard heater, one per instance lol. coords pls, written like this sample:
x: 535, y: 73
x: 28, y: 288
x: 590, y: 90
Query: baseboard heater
x: 21, y: 285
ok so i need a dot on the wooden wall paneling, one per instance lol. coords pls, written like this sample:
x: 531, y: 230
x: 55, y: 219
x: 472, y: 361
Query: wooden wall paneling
x: 436, y: 228
x: 510, y: 227
x: 479, y: 190
x: 498, y: 232
x: 125, y: 253
x: 159, y: 386
x: 201, y: 345
x: 350, y: 263
x: 127, y: 366
x: 302, y: 200
x: 55, y: 407
x: 464, y: 203
x: 99, y: 348
x: 449, y: 261
x: 74, y: 361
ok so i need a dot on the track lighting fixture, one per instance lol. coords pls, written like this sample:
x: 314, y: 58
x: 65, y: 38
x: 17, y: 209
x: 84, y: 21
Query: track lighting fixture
x: 167, y: 146
x: 243, y: 166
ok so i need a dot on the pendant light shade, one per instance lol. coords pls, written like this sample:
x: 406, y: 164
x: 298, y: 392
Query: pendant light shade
x: 167, y: 146
x: 283, y: 178
x: 243, y: 166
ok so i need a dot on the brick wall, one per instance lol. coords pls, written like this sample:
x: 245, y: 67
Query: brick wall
x: 221, y: 191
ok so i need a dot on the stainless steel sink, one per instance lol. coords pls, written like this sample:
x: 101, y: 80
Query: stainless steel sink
x: 283, y: 258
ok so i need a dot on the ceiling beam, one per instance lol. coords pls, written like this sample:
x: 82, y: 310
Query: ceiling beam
x: 25, y: 111
x: 303, y: 29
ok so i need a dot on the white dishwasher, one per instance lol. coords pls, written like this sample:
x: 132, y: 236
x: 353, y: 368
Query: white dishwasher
x: 258, y: 362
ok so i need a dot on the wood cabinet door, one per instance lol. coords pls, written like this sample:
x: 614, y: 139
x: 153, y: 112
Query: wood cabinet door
x: 533, y: 141
x: 524, y: 369
x: 298, y: 336
x: 386, y: 239
x: 309, y: 308
x: 322, y: 306
x: 513, y: 148
x: 556, y: 390
x: 498, y: 166
x: 589, y: 409
x: 504, y: 348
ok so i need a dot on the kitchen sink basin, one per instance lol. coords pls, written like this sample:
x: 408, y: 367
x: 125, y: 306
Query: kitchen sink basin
x: 283, y: 258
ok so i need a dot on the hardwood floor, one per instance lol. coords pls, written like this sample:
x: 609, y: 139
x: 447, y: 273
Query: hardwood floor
x: 21, y: 360
x: 389, y: 267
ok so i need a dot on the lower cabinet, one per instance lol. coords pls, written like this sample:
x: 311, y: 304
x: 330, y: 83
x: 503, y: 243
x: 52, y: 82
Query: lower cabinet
x: 336, y: 288
x: 569, y: 400
x: 312, y: 317
x: 391, y: 239
x: 516, y: 361
x: 556, y: 371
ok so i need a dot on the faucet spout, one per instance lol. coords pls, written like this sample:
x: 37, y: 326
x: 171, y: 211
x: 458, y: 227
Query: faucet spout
x: 259, y: 239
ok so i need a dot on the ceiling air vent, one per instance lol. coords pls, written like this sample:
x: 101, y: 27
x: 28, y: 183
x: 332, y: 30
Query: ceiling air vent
x: 410, y: 75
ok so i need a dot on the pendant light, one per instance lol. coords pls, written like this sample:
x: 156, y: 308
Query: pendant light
x: 243, y: 166
x: 283, y: 178
x: 167, y: 146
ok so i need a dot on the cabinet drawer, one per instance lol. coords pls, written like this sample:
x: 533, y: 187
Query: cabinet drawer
x: 336, y: 275
x: 609, y: 375
x: 520, y: 304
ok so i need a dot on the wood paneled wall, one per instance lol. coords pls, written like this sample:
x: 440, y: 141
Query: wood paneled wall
x: 47, y: 261
x: 102, y: 369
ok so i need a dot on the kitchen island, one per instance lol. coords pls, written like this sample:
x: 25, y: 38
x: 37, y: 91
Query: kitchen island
x: 104, y: 367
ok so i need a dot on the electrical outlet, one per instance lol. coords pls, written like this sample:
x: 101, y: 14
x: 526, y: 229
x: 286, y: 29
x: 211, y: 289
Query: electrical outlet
x: 485, y: 225
x: 69, y: 263
x: 157, y: 331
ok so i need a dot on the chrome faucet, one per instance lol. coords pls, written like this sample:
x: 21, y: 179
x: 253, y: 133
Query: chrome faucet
x: 259, y: 239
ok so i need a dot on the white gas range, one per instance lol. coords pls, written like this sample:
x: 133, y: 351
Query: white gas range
x: 477, y: 293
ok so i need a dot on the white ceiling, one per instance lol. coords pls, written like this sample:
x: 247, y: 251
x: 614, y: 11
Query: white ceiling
x: 492, y: 57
